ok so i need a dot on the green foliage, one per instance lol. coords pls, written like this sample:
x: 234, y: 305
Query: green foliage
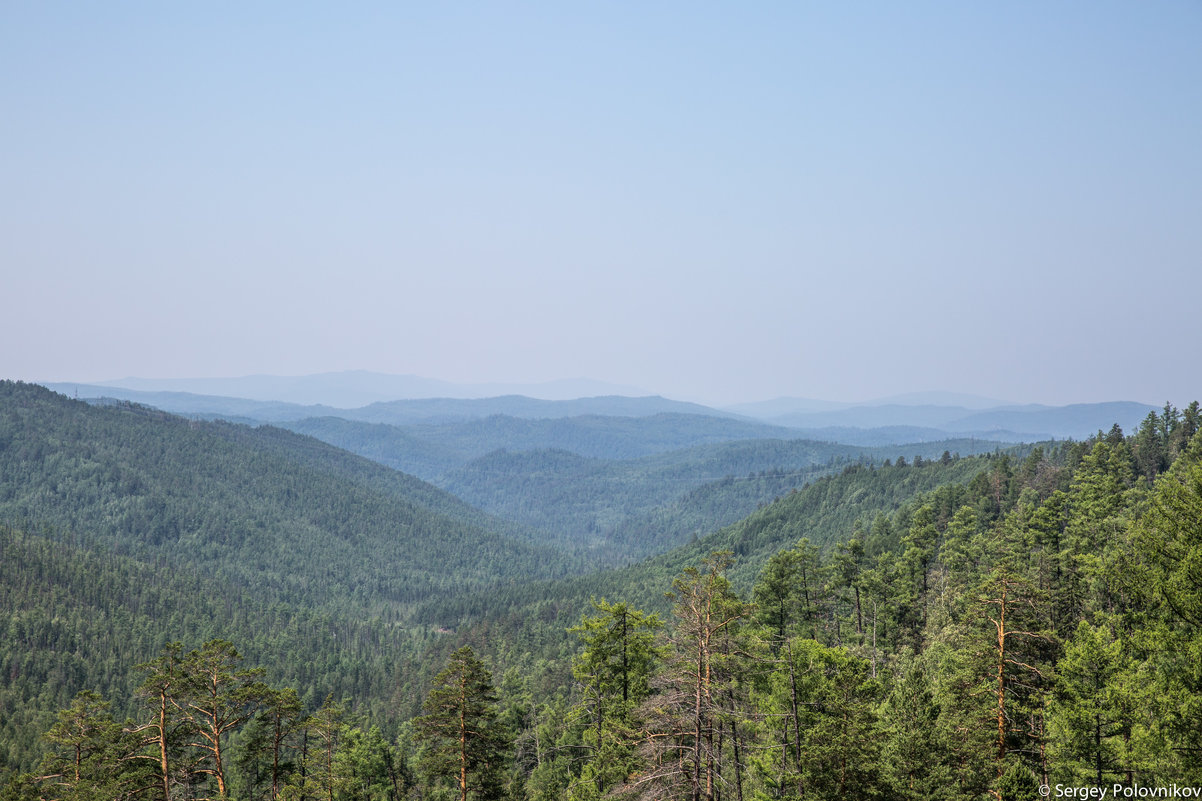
x: 1091, y: 718
x: 1169, y: 539
x: 619, y: 651
x: 697, y: 702
x: 266, y: 756
x: 91, y: 756
x: 819, y: 714
x: 464, y: 744
x: 940, y: 628
x: 581, y: 750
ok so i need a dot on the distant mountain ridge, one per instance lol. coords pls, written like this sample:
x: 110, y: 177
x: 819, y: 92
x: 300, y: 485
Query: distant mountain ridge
x: 392, y: 412
x: 1027, y: 423
x: 452, y: 409
x: 356, y: 388
x: 925, y: 416
x: 781, y: 407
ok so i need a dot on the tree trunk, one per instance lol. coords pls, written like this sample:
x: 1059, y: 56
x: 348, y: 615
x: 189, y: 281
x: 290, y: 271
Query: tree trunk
x: 463, y: 747
x: 1001, y: 682
x: 164, y: 766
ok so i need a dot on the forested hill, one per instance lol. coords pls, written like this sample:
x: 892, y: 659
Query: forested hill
x: 264, y: 508
x: 640, y: 507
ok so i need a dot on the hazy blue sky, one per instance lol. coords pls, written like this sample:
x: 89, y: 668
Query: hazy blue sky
x: 716, y: 202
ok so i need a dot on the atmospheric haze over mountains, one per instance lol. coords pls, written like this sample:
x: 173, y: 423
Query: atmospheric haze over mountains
x: 352, y: 388
x: 405, y: 400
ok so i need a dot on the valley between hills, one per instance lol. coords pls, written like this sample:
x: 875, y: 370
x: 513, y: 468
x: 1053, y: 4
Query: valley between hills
x: 647, y: 597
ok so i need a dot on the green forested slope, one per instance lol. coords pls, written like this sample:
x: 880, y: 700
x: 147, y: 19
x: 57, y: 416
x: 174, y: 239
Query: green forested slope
x: 522, y: 630
x: 263, y: 508
x: 80, y: 619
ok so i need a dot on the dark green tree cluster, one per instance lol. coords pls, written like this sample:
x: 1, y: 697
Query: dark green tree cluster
x: 206, y: 727
x: 1040, y: 625
x: 190, y: 703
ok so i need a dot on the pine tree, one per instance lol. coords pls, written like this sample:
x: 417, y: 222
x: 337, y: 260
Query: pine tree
x: 914, y: 757
x: 614, y: 671
x: 93, y: 756
x: 689, y: 717
x: 463, y: 740
x: 264, y: 762
x: 787, y: 594
x: 318, y: 776
x: 215, y: 697
x: 1092, y: 716
x: 164, y: 731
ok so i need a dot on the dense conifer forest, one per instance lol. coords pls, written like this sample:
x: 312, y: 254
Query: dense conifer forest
x: 206, y: 610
